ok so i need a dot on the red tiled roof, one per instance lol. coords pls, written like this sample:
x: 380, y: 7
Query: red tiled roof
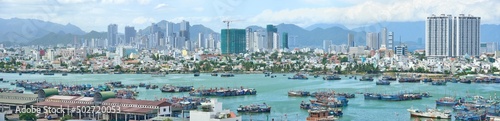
x: 138, y: 102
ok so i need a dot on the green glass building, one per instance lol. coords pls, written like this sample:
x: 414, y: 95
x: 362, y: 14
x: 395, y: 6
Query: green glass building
x: 236, y: 43
x: 284, y: 40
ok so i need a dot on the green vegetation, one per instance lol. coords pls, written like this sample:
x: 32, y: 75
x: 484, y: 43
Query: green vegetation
x: 65, y: 118
x: 27, y: 116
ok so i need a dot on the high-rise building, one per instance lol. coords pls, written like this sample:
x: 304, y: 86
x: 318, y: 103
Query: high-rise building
x: 233, y: 41
x: 448, y: 36
x: 439, y: 36
x: 372, y: 41
x: 271, y: 29
x: 250, y: 40
x: 276, y: 41
x: 284, y: 40
x: 350, y: 40
x: 184, y: 29
x: 489, y: 47
x: 326, y: 45
x: 129, y: 34
x: 383, y: 37
x: 112, y: 34
x: 390, y: 41
x: 401, y: 50
x: 467, y: 35
x: 201, y: 41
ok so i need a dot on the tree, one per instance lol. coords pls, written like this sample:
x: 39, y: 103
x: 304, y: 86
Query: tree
x: 27, y: 116
x: 168, y: 119
x: 65, y: 118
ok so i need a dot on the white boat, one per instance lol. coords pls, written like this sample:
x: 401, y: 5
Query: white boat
x: 430, y: 113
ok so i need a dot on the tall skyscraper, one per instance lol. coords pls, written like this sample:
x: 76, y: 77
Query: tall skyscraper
x: 129, y: 34
x: 276, y: 41
x: 184, y: 29
x: 284, y: 40
x: 447, y: 36
x: 112, y: 35
x: 169, y: 34
x: 271, y: 29
x: 201, y: 41
x: 372, y: 41
x: 467, y: 35
x: 390, y: 41
x: 250, y: 40
x: 383, y: 37
x: 236, y: 43
x: 350, y: 40
x: 326, y: 45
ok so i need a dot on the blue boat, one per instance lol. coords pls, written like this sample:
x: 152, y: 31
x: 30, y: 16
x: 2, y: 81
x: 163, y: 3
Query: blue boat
x: 413, y: 80
x: 465, y: 81
x: 366, y: 78
x: 469, y: 116
x: 427, y: 80
x: 460, y: 108
x: 391, y: 97
x: 389, y: 78
x: 227, y: 75
x: 298, y: 76
x: 446, y: 101
x: 440, y: 82
x: 382, y: 82
x: 372, y: 96
x: 332, y: 77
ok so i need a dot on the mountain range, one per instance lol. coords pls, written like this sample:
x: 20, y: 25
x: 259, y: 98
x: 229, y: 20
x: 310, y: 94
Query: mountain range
x: 38, y: 32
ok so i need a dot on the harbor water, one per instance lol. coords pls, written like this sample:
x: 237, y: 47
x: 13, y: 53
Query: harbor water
x: 273, y: 92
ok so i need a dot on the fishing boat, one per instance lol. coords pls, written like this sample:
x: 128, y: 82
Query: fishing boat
x: 469, y: 116
x: 382, y: 82
x: 304, y: 105
x: 447, y: 101
x: 372, y: 96
x: 366, y: 78
x: 332, y: 77
x: 316, y: 76
x: 467, y: 81
x: 227, y: 75
x: 214, y: 74
x: 197, y: 74
x: 171, y: 88
x: 439, y: 82
x: 255, y: 108
x: 389, y: 78
x: 427, y: 80
x: 64, y: 74
x: 298, y: 93
x: 48, y: 74
x: 430, y: 113
x: 411, y: 80
x: 20, y: 74
x: 158, y: 75
x: 298, y: 76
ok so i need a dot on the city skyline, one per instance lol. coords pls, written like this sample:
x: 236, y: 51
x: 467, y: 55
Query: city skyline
x: 141, y: 13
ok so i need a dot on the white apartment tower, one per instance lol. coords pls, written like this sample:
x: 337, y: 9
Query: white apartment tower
x: 448, y: 36
x: 372, y: 41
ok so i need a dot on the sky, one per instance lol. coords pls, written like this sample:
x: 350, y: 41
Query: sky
x: 98, y: 14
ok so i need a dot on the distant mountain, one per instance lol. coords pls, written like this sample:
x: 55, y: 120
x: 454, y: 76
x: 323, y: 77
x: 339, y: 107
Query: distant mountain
x: 315, y: 37
x: 65, y: 38
x: 24, y: 30
x: 325, y: 26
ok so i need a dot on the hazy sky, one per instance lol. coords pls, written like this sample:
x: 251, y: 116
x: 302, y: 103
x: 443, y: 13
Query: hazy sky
x: 97, y: 14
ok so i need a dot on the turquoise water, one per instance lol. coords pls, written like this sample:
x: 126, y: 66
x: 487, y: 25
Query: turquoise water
x: 273, y: 91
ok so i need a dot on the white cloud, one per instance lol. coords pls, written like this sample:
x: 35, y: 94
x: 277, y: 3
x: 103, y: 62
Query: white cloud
x: 198, y: 9
x: 75, y: 1
x: 160, y: 6
x: 143, y: 2
x: 370, y: 12
x: 143, y: 20
x: 114, y: 1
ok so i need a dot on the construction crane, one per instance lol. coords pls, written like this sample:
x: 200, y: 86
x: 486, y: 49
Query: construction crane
x: 227, y: 39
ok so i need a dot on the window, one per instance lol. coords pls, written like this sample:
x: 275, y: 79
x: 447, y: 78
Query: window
x: 164, y: 109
